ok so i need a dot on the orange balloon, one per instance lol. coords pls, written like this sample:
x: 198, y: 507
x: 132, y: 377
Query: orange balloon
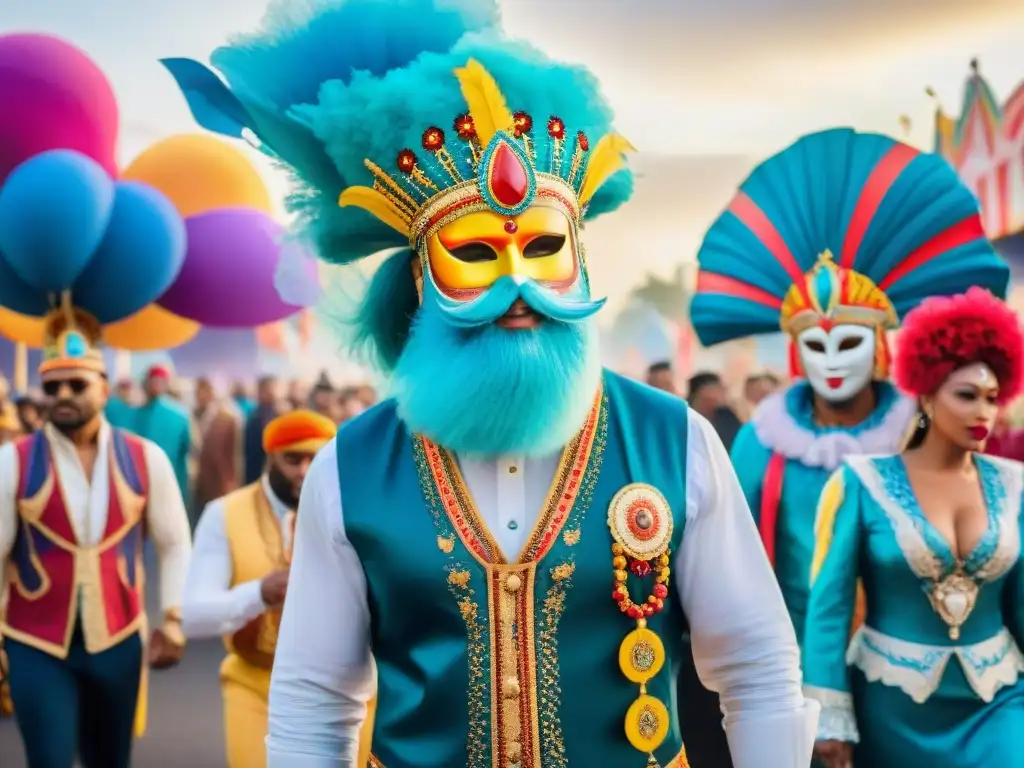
x: 22, y: 329
x: 149, y: 329
x: 199, y: 173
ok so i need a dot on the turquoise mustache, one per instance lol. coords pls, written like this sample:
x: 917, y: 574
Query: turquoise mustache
x: 505, y: 291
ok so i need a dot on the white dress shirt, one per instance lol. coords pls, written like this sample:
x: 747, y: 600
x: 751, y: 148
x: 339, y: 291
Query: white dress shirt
x: 212, y: 607
x: 87, y: 499
x: 744, y: 645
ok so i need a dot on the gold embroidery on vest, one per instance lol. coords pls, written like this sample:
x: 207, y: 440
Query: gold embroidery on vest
x: 550, y: 691
x: 514, y: 715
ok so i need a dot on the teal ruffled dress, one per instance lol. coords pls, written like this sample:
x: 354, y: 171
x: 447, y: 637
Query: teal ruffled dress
x: 908, y: 690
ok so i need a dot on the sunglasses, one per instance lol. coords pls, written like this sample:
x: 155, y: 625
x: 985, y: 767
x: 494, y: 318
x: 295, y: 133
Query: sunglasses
x: 75, y: 386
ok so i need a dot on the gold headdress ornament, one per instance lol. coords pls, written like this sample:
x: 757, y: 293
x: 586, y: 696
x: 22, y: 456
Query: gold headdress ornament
x: 72, y: 340
x: 831, y: 295
x: 493, y: 164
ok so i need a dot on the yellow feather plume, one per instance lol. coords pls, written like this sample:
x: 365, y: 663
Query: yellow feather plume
x: 608, y: 157
x: 485, y: 100
x: 371, y: 200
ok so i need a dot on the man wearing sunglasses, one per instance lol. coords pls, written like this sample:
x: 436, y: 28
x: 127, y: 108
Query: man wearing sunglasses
x: 77, y: 499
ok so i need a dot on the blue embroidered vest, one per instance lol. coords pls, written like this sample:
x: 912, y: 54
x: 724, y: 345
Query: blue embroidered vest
x: 489, y: 663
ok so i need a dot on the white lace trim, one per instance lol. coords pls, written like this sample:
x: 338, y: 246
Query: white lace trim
x: 777, y: 430
x: 919, y: 556
x: 837, y: 721
x: 917, y: 669
x: 1011, y: 477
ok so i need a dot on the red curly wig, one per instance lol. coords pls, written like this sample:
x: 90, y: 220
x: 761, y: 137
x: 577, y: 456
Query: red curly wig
x: 949, y: 332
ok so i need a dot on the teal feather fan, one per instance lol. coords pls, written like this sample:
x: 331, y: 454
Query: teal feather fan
x: 896, y: 216
x: 323, y: 90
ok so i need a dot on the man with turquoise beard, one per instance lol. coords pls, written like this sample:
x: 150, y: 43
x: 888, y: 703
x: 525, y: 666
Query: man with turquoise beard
x: 509, y: 549
x: 829, y: 241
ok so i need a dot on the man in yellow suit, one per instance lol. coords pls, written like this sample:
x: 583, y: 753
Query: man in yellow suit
x: 239, y: 577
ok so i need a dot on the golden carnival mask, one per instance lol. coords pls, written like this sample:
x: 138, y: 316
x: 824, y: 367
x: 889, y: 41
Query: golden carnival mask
x: 494, y: 199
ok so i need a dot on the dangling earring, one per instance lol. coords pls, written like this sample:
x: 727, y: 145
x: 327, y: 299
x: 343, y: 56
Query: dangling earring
x: 922, y: 421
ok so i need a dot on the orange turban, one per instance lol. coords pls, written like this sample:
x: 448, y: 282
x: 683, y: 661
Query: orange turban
x: 298, y: 432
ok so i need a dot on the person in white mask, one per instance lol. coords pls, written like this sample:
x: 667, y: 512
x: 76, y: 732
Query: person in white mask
x: 832, y: 240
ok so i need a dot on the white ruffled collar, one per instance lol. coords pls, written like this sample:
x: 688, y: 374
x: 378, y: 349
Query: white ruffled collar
x: 784, y: 424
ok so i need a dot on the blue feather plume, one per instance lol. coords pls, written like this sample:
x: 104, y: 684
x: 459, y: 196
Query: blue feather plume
x: 337, y: 81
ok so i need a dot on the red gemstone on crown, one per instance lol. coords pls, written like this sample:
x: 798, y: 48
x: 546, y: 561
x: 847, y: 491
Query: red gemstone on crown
x: 507, y: 177
x: 511, y: 227
x: 523, y: 123
x: 556, y: 128
x: 583, y: 141
x: 465, y: 127
x: 433, y: 139
x: 406, y: 161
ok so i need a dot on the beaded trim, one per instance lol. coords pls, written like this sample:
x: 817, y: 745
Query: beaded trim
x: 549, y: 691
x: 517, y: 722
x: 474, y: 614
x: 450, y: 488
x: 549, y: 687
x: 514, y: 716
x: 466, y: 198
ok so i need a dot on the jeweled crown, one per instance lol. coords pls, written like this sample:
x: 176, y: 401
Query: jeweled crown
x: 832, y: 295
x: 489, y: 161
x: 72, y: 340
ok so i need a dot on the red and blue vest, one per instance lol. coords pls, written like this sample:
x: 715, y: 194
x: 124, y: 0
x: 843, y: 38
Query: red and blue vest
x: 53, y: 579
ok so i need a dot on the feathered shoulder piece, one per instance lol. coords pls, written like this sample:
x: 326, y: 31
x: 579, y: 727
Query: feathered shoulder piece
x: 398, y: 115
x: 841, y: 227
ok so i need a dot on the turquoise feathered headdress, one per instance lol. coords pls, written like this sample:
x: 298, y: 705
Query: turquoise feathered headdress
x: 841, y: 227
x: 384, y: 105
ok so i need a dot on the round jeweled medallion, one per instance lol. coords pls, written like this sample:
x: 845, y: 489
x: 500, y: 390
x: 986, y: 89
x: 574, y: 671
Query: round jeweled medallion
x: 641, y: 655
x: 647, y: 723
x: 953, y: 599
x: 640, y: 520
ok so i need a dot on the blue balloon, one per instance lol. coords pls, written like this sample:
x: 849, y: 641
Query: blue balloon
x: 140, y: 255
x: 18, y: 296
x: 54, y: 209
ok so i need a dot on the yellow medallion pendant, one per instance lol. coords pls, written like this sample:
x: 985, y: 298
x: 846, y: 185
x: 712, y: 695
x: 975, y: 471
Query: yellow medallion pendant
x: 641, y: 655
x: 640, y: 521
x: 647, y: 723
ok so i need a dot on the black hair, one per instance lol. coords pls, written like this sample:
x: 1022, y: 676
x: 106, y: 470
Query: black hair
x: 659, y: 367
x: 768, y: 376
x: 921, y: 425
x: 699, y: 381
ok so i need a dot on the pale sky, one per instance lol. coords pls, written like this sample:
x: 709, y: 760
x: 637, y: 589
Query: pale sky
x: 704, y: 88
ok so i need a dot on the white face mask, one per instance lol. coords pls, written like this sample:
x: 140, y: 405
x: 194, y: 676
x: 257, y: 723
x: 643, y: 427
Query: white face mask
x: 839, y: 363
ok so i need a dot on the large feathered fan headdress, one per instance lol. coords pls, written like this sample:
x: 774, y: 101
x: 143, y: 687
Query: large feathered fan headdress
x: 841, y: 227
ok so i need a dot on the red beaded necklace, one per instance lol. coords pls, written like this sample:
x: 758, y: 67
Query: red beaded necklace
x: 655, y: 602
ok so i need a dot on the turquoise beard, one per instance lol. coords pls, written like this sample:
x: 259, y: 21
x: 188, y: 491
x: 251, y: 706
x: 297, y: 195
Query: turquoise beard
x: 489, y: 391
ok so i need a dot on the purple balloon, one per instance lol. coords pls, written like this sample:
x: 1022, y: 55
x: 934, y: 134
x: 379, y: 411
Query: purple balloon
x: 224, y: 352
x: 227, y: 280
x: 53, y: 96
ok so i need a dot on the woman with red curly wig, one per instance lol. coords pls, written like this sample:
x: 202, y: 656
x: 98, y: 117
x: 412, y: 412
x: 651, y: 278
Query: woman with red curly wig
x: 932, y: 678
